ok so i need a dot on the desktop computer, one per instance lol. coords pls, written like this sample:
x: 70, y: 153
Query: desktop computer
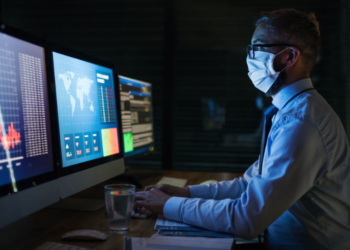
x: 28, y: 180
x: 137, y: 122
x: 87, y: 107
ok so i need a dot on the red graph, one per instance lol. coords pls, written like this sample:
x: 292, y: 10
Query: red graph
x: 12, y: 138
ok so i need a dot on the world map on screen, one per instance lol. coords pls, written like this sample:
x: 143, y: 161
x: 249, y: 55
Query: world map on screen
x: 78, y: 89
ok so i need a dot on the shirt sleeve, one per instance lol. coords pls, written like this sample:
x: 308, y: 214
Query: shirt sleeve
x: 293, y: 163
x: 224, y: 189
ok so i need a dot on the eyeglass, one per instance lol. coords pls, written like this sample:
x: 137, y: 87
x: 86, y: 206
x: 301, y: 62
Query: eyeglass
x: 250, y: 48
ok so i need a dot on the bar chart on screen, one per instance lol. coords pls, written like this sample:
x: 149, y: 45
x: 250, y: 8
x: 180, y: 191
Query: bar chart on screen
x: 107, y: 108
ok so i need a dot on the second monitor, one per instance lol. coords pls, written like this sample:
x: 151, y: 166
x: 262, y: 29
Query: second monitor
x: 89, y: 125
x: 137, y: 119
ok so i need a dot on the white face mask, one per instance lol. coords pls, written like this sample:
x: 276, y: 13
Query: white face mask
x: 261, y: 70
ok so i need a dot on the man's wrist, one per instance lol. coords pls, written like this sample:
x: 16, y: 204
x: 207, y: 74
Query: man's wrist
x: 172, y: 208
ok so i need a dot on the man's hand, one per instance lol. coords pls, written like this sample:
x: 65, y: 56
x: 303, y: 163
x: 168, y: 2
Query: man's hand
x: 171, y: 190
x: 153, y: 200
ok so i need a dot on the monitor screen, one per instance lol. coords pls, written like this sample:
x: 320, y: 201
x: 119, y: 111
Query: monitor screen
x: 25, y: 144
x: 87, y: 111
x: 136, y: 108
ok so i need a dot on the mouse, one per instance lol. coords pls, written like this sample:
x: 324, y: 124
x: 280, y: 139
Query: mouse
x: 208, y: 182
x: 84, y: 234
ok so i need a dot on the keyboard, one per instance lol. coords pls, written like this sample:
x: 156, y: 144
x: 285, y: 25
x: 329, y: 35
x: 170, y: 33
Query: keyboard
x: 173, y: 181
x: 49, y: 245
x: 144, y: 213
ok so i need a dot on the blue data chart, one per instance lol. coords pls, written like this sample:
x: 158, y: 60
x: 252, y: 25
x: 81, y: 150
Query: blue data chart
x: 88, y: 144
x: 86, y: 110
x: 96, y: 141
x: 69, y: 146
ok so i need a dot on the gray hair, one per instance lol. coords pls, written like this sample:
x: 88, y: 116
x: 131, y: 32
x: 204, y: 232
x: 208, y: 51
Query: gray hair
x: 294, y: 27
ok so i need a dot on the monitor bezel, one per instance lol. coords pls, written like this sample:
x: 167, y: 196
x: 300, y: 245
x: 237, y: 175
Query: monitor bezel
x: 52, y: 175
x: 63, y: 171
x: 127, y: 159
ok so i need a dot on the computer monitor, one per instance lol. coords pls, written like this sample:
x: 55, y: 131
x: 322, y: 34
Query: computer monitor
x: 28, y: 180
x: 137, y: 118
x: 88, y: 118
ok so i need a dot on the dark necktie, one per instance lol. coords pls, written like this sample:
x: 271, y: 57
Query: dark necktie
x: 269, y: 113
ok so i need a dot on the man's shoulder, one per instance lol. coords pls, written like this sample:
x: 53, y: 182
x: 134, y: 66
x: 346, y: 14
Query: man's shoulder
x: 308, y: 107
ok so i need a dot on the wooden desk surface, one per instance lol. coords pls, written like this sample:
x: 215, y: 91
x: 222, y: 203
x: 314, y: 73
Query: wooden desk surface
x: 50, y: 224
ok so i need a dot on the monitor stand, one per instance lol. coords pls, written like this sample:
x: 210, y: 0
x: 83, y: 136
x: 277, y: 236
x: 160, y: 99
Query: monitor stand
x: 79, y: 204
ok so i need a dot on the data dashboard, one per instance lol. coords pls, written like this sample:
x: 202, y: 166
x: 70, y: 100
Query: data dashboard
x: 25, y: 144
x: 86, y: 106
x: 136, y: 110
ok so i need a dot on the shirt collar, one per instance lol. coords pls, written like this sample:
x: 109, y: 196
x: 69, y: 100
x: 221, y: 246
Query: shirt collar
x: 287, y: 93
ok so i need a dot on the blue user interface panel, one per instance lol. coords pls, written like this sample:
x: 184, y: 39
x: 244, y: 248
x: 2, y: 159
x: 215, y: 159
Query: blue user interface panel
x: 86, y: 110
x: 136, y: 108
x: 25, y: 146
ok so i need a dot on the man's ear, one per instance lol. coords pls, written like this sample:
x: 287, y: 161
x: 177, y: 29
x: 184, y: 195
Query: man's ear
x: 292, y: 56
x: 286, y: 59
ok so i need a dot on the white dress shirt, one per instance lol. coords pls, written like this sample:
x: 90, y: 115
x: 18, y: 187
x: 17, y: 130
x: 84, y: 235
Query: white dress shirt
x: 302, y: 196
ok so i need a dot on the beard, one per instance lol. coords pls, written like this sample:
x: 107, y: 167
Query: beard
x: 276, y: 85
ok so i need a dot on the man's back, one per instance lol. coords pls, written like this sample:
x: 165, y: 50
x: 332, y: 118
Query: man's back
x: 320, y: 218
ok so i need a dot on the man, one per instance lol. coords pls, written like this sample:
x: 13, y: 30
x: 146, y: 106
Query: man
x: 300, y: 190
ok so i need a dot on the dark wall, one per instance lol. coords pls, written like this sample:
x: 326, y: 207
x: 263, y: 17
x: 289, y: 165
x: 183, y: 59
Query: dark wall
x: 1, y: 8
x: 209, y: 65
x: 127, y: 33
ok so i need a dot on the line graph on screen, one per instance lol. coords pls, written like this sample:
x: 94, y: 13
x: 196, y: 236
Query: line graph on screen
x: 4, y: 141
x: 10, y: 135
x: 10, y: 139
x: 10, y: 121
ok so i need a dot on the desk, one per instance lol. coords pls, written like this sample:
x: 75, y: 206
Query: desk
x: 50, y: 224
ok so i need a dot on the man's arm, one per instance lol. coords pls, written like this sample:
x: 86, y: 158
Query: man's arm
x: 225, y: 189
x: 293, y: 164
x: 218, y: 191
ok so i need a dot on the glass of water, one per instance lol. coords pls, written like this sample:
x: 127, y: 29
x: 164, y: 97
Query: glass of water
x: 119, y: 202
